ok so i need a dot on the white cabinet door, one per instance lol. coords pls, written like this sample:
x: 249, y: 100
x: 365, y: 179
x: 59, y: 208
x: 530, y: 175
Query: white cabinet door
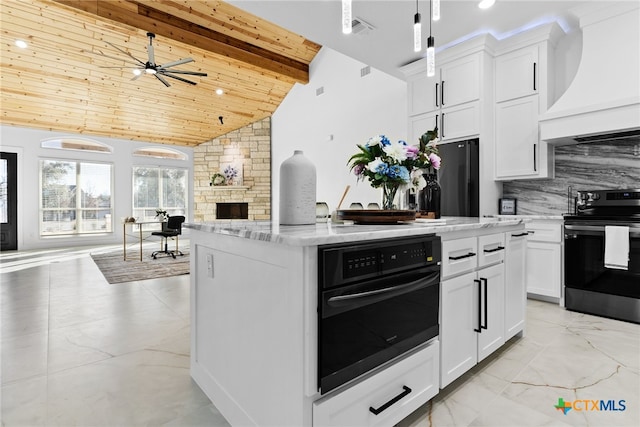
x: 422, y: 93
x: 420, y: 124
x: 460, y: 81
x: 517, y: 74
x: 515, y: 297
x: 491, y: 336
x: 459, y: 319
x: 460, y: 121
x: 517, y: 145
x: 544, y: 269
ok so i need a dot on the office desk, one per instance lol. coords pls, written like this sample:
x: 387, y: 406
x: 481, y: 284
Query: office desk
x: 140, y: 239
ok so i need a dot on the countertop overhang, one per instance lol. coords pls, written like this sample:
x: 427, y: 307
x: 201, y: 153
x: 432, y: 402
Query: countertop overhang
x: 331, y: 233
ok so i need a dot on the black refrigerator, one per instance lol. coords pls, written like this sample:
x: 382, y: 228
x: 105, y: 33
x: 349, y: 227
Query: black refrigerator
x: 459, y: 178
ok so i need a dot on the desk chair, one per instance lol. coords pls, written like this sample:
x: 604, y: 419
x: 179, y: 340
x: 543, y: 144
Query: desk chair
x: 171, y: 228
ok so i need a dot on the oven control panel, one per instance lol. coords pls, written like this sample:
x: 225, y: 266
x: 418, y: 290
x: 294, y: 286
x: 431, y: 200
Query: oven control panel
x: 607, y: 198
x: 345, y: 263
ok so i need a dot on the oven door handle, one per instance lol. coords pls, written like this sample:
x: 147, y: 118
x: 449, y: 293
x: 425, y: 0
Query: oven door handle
x: 423, y: 282
x: 633, y: 231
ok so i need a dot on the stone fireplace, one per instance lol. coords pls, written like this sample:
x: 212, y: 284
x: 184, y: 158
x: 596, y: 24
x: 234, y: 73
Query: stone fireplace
x: 248, y: 147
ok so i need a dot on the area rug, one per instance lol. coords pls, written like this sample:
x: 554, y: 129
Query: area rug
x: 116, y: 270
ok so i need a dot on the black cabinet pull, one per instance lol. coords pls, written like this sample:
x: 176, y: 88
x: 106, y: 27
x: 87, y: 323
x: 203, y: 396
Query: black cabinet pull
x: 443, y: 125
x: 520, y: 234
x: 442, y: 93
x: 534, y: 76
x: 437, y: 95
x: 469, y: 255
x: 479, y: 328
x: 535, y: 166
x: 437, y: 120
x: 486, y: 304
x: 499, y: 248
x: 376, y: 411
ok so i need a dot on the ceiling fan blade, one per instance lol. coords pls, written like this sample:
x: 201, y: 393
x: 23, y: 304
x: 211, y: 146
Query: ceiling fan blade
x: 125, y: 52
x: 178, y: 78
x: 136, y: 77
x: 174, y: 63
x: 191, y: 73
x: 111, y: 57
x: 126, y: 66
x: 164, y: 82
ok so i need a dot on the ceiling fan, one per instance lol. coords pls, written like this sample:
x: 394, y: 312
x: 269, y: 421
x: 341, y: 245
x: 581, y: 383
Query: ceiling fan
x: 157, y: 70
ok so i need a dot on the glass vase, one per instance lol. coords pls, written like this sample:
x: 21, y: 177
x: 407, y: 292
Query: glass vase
x: 429, y: 199
x: 389, y: 191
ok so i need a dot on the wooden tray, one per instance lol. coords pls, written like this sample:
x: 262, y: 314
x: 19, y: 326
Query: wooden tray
x: 376, y: 216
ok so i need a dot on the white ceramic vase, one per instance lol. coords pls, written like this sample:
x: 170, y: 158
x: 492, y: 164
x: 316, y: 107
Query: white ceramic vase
x: 297, y: 190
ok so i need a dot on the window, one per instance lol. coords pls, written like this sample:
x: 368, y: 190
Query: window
x: 160, y: 153
x: 159, y: 188
x: 75, y: 197
x: 79, y: 144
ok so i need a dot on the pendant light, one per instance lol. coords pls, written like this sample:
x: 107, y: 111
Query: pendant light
x: 431, y: 51
x: 346, y: 16
x: 486, y: 4
x: 417, y: 31
x: 436, y: 10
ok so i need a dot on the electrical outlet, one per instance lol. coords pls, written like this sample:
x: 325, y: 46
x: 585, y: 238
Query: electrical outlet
x: 210, y: 265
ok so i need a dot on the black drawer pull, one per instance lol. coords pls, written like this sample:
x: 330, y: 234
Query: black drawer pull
x: 499, y: 248
x: 520, y: 235
x: 455, y: 258
x: 375, y: 411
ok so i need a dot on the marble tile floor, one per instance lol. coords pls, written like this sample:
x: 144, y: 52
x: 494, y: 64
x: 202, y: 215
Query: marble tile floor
x: 78, y: 351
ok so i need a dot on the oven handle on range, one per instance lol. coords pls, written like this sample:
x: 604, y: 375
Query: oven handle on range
x: 596, y: 228
x: 405, y: 392
x: 416, y: 284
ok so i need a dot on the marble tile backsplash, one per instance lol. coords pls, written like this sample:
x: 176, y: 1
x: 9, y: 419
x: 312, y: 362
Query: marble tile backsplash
x: 594, y: 166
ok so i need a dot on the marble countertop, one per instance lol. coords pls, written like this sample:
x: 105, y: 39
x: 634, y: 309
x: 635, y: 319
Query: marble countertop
x: 331, y: 233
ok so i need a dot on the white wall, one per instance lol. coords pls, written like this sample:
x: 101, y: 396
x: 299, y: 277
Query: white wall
x: 351, y: 110
x: 26, y: 142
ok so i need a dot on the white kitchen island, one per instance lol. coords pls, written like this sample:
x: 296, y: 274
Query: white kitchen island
x: 254, y: 318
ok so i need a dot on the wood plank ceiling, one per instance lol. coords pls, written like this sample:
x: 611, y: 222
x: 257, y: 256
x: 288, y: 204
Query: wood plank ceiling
x: 57, y: 83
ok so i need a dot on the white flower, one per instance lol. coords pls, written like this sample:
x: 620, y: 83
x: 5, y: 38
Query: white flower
x: 375, y: 165
x: 375, y: 140
x: 417, y: 180
x: 396, y: 151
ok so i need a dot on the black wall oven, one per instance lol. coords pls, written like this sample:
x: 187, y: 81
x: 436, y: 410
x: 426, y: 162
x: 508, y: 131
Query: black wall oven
x: 591, y: 285
x: 376, y: 301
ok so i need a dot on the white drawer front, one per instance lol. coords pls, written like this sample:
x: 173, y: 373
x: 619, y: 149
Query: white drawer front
x: 459, y: 256
x: 544, y: 232
x: 418, y: 373
x: 490, y: 249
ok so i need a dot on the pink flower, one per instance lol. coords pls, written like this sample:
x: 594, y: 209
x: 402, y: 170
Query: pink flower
x: 358, y: 169
x: 412, y: 152
x: 435, y: 160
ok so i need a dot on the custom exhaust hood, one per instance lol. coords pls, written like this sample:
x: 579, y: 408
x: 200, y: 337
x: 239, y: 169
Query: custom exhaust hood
x: 603, y: 100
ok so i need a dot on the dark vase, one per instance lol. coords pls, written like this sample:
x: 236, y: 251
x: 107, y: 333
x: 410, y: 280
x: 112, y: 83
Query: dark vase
x: 429, y: 197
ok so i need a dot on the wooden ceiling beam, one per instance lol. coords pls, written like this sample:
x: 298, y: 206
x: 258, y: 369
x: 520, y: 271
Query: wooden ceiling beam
x: 141, y: 16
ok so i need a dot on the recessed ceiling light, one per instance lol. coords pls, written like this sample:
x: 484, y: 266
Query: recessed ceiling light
x: 137, y: 71
x: 219, y: 91
x: 21, y: 44
x: 486, y: 4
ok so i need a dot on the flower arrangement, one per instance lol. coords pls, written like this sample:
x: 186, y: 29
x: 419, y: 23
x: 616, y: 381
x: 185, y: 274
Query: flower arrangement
x: 230, y: 173
x: 391, y: 165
